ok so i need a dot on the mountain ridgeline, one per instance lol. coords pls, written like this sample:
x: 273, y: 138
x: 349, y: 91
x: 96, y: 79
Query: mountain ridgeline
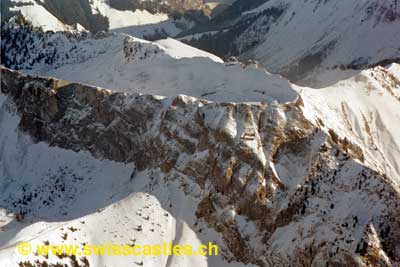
x: 300, y: 40
x: 279, y: 143
x: 277, y: 169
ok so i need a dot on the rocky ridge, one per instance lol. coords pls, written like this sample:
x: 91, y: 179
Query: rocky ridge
x: 266, y: 163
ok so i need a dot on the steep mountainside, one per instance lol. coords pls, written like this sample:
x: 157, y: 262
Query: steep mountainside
x: 276, y: 174
x: 363, y: 108
x: 269, y: 185
x: 300, y: 39
x: 149, y: 18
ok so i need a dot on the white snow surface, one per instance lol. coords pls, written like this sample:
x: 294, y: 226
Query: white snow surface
x: 99, y: 200
x: 343, y: 32
x: 167, y: 67
x: 39, y: 16
x: 365, y: 109
x: 120, y: 19
x: 137, y: 23
x: 178, y: 49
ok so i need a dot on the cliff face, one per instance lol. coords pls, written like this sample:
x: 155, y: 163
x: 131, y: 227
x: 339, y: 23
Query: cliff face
x: 279, y: 190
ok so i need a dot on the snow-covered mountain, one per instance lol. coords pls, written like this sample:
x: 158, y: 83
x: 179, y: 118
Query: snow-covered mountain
x: 353, y: 107
x: 364, y: 108
x: 329, y: 34
x: 269, y: 185
x: 149, y: 18
x: 301, y: 39
x: 184, y: 147
x: 118, y: 61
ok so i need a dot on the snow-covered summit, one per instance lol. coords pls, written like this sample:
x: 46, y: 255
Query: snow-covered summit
x: 327, y: 34
x: 364, y: 108
x: 125, y: 63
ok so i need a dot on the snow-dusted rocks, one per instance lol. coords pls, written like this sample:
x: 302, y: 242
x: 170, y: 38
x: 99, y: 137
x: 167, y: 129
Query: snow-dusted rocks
x: 366, y: 109
x: 274, y: 173
x: 276, y: 186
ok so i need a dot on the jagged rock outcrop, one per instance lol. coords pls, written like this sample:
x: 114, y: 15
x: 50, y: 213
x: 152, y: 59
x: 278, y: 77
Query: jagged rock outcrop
x: 281, y: 191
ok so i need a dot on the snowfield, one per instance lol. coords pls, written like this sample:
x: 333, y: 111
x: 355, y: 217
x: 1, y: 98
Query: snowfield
x: 110, y: 138
x: 165, y: 67
x: 364, y: 108
x: 138, y: 23
x: 328, y: 34
x: 120, y: 19
x: 39, y: 16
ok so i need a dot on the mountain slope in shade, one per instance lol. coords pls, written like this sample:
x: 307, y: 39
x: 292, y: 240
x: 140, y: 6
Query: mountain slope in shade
x: 301, y: 39
x: 141, y: 18
x: 327, y: 34
x: 38, y: 16
x: 270, y: 186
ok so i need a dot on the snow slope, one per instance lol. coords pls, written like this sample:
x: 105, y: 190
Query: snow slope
x: 178, y: 50
x: 39, y: 16
x: 364, y: 108
x: 164, y: 74
x: 120, y: 19
x: 324, y: 34
x: 305, y: 40
x: 166, y: 67
x: 138, y: 22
